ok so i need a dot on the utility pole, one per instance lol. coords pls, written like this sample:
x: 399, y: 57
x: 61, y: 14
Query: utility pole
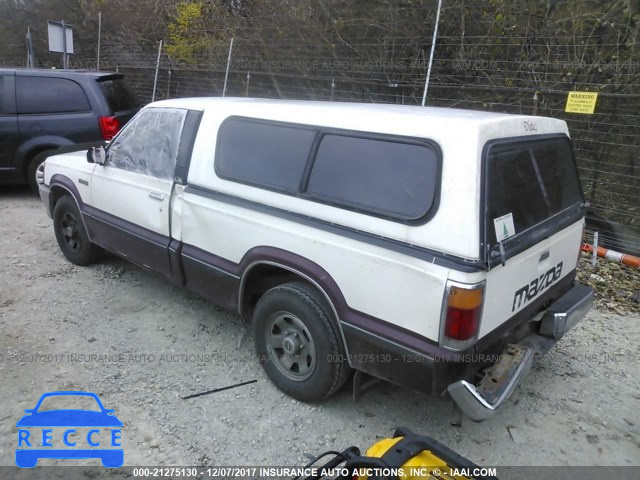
x: 65, y: 55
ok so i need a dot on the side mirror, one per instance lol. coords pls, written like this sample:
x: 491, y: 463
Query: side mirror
x: 96, y: 155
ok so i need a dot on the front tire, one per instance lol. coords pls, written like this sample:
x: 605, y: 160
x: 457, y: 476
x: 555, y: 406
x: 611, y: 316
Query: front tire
x: 298, y: 343
x: 71, y: 235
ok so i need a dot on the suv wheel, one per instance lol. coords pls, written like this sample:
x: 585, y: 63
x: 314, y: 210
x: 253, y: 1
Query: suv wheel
x: 32, y: 169
x: 298, y: 343
x: 71, y: 234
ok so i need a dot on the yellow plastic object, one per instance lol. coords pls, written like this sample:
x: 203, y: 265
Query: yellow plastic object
x: 424, y: 465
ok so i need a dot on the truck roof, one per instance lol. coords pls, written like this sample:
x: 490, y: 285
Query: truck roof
x: 432, y: 122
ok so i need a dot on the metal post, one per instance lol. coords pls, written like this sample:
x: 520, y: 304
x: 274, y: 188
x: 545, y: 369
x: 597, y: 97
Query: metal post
x: 594, y: 253
x: 169, y: 84
x: 65, y: 59
x: 226, y: 75
x: 155, y: 79
x: 535, y: 104
x: 30, y: 59
x: 99, y: 34
x: 246, y: 92
x: 433, y: 48
x: 333, y: 87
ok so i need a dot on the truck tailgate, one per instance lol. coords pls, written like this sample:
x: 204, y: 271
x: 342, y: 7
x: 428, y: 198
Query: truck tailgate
x: 533, y: 223
x: 526, y: 276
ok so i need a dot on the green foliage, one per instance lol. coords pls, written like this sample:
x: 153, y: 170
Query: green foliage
x: 187, y: 41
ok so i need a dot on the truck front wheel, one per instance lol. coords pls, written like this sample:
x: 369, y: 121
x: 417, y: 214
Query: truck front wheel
x: 71, y: 235
x: 298, y: 343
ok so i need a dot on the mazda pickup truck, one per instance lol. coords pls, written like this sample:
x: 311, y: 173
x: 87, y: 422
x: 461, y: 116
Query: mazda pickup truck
x: 433, y: 248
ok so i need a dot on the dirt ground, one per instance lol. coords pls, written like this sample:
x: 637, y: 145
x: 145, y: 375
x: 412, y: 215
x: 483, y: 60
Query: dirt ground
x: 158, y: 343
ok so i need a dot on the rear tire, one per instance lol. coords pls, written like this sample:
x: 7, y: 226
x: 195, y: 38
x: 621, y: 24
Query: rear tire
x: 298, y: 342
x: 71, y: 235
x: 32, y: 168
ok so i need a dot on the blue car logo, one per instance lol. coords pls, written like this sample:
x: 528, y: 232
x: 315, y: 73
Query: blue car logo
x: 56, y: 433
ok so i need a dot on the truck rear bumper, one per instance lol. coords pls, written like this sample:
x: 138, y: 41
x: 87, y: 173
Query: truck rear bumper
x: 568, y: 310
x: 480, y: 401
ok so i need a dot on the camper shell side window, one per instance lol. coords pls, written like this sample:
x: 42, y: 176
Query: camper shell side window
x: 387, y: 176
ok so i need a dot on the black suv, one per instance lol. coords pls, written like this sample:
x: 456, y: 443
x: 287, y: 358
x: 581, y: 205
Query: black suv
x: 41, y: 110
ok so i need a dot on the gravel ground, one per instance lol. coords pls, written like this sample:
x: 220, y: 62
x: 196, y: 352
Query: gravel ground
x: 579, y: 405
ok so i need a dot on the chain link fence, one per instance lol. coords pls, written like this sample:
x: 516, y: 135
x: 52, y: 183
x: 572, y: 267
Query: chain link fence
x: 368, y: 70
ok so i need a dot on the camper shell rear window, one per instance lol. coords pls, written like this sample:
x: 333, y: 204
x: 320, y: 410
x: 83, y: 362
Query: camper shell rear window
x: 527, y: 182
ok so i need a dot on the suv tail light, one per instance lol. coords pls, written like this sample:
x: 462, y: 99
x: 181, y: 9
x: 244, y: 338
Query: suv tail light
x: 109, y: 126
x: 461, y: 315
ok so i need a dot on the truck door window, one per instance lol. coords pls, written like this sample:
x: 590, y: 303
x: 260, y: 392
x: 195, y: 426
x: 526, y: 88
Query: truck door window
x: 149, y: 143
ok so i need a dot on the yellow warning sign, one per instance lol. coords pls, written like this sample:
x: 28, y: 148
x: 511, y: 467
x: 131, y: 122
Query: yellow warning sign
x: 581, y: 102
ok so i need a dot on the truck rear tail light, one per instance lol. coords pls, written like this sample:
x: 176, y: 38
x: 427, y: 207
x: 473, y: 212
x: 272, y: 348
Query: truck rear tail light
x: 109, y: 126
x: 462, y: 313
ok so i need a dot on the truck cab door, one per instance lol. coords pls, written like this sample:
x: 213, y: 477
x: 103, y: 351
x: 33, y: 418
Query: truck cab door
x: 131, y: 193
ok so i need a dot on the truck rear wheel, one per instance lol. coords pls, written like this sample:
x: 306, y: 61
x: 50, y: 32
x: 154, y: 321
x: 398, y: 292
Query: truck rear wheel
x: 71, y: 235
x: 298, y: 343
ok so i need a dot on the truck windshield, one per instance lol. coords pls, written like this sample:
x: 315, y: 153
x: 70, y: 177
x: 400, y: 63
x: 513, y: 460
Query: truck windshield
x: 528, y: 182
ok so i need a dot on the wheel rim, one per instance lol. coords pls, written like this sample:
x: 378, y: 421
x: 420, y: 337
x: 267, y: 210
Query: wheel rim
x: 71, y: 232
x: 37, y: 172
x: 291, y: 346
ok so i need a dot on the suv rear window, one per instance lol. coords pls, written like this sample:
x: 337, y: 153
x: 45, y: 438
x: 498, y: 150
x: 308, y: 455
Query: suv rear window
x: 118, y: 94
x: 49, y: 95
x: 530, y: 181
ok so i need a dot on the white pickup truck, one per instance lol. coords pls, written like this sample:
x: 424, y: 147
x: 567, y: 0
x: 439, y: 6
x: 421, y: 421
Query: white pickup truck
x: 433, y: 248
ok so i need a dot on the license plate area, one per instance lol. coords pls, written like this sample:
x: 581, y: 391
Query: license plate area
x: 498, y: 377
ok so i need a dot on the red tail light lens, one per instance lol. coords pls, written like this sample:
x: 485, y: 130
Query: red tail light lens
x: 109, y: 126
x: 462, y: 321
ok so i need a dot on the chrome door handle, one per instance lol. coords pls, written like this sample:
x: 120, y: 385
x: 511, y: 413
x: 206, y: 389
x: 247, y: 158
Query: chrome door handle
x: 156, y: 195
